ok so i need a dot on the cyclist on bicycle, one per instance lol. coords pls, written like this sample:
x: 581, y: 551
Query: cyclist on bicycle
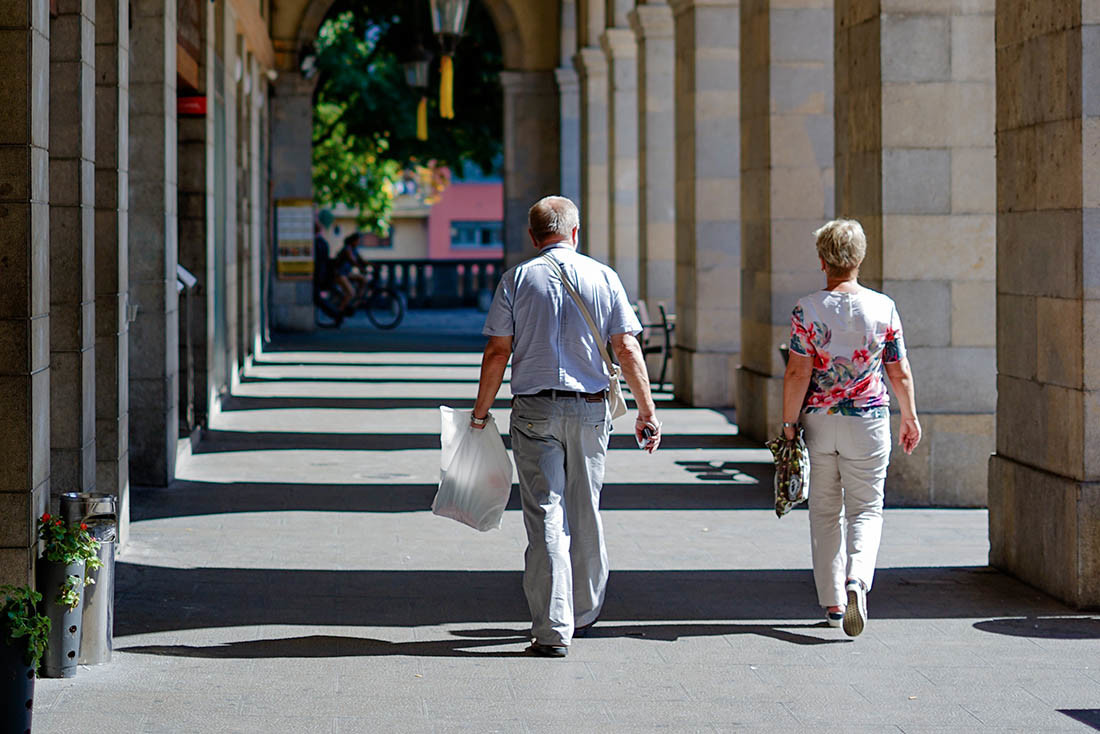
x: 350, y: 270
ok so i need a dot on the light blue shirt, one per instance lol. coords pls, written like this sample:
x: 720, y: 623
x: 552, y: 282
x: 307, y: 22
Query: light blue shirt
x: 552, y: 346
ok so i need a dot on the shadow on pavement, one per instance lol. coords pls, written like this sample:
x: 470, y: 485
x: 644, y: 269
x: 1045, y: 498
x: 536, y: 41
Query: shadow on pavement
x: 159, y: 599
x: 331, y: 646
x: 219, y: 441
x: 188, y: 499
x: 1048, y: 628
x: 1088, y: 717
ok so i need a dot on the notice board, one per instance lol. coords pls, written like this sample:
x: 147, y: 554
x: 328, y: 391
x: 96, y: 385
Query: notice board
x: 294, y: 239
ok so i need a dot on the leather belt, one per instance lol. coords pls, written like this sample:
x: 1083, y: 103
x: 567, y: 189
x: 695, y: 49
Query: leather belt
x: 592, y: 397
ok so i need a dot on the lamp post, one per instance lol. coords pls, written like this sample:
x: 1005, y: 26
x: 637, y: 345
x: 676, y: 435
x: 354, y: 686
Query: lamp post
x: 416, y: 76
x: 448, y: 20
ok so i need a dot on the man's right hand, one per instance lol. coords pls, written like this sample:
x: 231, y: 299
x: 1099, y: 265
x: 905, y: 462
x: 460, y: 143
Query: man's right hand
x: 648, y: 443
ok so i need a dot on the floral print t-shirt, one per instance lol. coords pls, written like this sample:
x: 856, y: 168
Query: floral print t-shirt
x: 849, y: 336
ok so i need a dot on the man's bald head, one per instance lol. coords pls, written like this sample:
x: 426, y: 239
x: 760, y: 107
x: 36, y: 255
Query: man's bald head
x: 553, y: 218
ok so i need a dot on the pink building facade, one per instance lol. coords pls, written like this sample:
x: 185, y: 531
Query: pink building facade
x: 467, y: 222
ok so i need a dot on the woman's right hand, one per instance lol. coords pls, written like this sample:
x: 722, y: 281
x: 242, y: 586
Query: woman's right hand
x: 910, y: 434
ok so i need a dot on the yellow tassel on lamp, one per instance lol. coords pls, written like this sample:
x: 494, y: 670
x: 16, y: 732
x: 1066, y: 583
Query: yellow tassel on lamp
x: 422, y: 119
x: 447, y: 88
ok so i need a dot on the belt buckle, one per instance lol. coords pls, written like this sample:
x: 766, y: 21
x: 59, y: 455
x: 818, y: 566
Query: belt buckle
x: 595, y: 397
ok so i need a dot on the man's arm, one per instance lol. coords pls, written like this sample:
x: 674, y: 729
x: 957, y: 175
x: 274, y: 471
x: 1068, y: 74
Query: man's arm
x: 493, y: 363
x: 629, y: 354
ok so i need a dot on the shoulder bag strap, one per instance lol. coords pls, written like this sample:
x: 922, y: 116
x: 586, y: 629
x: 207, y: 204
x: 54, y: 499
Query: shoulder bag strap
x: 584, y: 311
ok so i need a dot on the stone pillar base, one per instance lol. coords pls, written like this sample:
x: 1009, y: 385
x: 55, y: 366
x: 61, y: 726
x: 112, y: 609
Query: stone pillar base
x: 706, y: 379
x: 759, y: 404
x: 1045, y: 530
x: 292, y: 306
x: 949, y: 468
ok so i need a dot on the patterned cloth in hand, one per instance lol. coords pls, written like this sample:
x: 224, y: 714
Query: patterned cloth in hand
x: 792, y: 471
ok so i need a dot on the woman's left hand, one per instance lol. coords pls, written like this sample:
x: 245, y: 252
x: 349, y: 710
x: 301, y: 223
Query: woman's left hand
x: 910, y: 434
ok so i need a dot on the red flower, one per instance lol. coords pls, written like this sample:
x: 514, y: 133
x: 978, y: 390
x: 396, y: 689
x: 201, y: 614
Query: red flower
x: 45, y: 516
x: 821, y: 361
x: 59, y: 523
x: 862, y: 356
x: 83, y: 526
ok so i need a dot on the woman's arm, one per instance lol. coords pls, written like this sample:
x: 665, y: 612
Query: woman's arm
x: 796, y: 380
x: 901, y: 379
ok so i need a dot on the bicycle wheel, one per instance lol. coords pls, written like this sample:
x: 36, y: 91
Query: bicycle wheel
x: 384, y: 308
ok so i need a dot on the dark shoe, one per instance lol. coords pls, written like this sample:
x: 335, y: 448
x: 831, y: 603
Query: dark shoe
x: 548, y: 651
x: 583, y: 631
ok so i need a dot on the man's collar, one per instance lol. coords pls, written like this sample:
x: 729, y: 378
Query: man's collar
x: 554, y: 245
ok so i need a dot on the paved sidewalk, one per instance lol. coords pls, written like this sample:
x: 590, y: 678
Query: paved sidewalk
x: 294, y: 580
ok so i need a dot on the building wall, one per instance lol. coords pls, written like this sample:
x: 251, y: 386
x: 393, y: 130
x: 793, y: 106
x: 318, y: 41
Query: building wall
x: 476, y: 202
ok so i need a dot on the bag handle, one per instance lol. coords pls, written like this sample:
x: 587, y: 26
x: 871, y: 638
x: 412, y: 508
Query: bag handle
x: 611, y: 367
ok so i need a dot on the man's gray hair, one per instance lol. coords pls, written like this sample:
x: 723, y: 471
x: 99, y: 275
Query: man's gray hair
x: 553, y: 216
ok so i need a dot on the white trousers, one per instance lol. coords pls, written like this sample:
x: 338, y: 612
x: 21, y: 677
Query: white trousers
x: 848, y: 460
x: 559, y: 445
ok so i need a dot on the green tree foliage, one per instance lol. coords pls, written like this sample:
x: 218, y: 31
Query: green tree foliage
x: 364, y: 123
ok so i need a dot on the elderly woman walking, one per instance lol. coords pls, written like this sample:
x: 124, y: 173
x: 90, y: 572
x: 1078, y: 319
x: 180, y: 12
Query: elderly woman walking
x: 842, y: 338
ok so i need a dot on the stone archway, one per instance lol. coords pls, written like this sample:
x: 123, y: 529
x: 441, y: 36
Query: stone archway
x: 530, y: 41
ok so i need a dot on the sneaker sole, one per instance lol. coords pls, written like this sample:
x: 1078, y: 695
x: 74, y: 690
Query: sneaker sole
x: 853, y: 620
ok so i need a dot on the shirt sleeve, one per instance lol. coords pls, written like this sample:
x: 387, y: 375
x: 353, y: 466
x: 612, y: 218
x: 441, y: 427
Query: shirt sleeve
x: 894, y: 349
x: 499, y: 321
x: 800, y: 335
x: 623, y: 319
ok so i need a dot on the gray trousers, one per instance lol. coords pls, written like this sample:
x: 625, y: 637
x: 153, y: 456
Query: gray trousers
x: 559, y: 445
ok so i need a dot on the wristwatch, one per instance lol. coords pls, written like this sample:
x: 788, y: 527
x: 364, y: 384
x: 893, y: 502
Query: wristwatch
x: 787, y: 424
x: 479, y: 421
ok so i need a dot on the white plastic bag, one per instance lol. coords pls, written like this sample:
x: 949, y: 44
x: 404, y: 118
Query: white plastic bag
x: 475, y: 472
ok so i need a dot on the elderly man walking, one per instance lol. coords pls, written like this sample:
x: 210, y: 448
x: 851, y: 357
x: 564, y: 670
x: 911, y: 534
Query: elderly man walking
x: 560, y: 417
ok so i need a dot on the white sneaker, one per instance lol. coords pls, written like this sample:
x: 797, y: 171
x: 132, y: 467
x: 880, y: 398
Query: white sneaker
x: 855, y: 614
x: 834, y: 618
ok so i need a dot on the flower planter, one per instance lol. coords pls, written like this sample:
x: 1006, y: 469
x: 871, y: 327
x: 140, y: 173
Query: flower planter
x: 64, y: 645
x: 16, y: 688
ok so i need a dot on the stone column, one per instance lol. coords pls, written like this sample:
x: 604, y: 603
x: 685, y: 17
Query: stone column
x: 915, y: 164
x: 622, y: 149
x: 112, y: 268
x: 595, y: 237
x: 531, y: 163
x: 653, y: 31
x: 154, y: 335
x: 569, y: 92
x: 244, y: 217
x: 196, y: 228
x: 72, y: 248
x: 25, y: 297
x: 1044, y: 480
x: 708, y: 219
x: 231, y: 68
x: 256, y: 209
x: 787, y: 186
x: 291, y: 178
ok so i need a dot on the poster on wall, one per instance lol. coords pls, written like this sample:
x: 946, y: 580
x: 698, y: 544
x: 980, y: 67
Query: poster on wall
x: 294, y: 239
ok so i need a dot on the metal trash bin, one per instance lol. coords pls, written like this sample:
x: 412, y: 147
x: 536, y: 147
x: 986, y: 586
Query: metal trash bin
x: 100, y: 513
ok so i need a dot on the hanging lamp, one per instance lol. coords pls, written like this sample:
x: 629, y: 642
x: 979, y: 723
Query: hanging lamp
x: 416, y: 76
x: 448, y: 21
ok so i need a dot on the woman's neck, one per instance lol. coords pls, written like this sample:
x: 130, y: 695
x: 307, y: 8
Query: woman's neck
x: 844, y: 283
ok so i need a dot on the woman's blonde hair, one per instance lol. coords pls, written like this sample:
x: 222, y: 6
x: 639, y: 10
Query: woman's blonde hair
x: 842, y: 244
